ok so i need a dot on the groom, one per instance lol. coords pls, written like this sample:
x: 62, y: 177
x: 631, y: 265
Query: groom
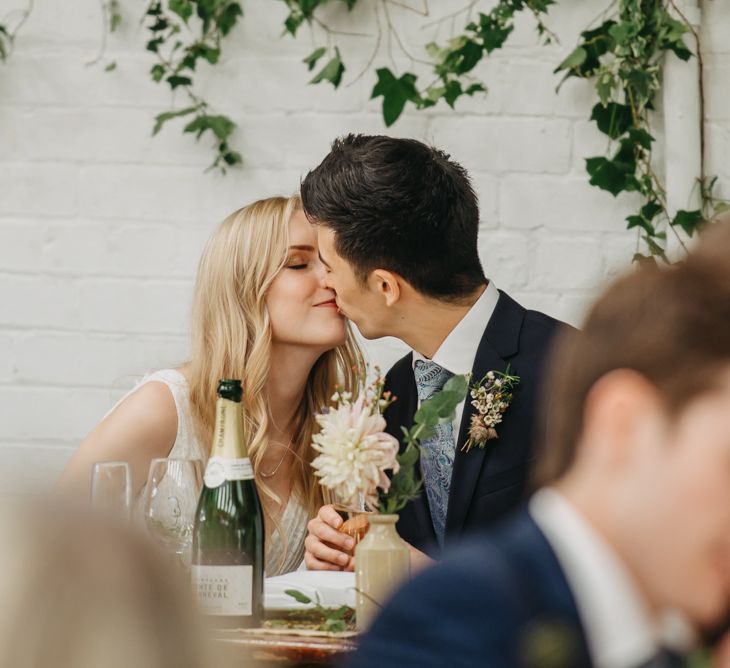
x: 397, y: 232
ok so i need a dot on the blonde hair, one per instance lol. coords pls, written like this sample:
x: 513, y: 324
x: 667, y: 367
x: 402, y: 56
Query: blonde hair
x: 231, y: 338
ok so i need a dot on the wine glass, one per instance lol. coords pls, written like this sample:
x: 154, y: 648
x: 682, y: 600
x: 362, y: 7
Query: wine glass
x: 111, y: 488
x: 170, y: 502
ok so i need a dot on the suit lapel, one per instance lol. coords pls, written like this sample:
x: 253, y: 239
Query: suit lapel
x: 499, y: 342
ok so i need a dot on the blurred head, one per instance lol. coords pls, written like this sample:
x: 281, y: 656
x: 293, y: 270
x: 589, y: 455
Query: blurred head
x: 78, y: 592
x: 393, y: 210
x: 638, y: 428
x: 259, y: 289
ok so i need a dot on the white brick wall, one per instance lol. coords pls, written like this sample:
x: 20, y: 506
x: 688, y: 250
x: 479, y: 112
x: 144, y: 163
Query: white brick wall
x: 101, y: 225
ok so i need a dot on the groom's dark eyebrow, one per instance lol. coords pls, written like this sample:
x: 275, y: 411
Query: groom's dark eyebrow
x: 322, y: 260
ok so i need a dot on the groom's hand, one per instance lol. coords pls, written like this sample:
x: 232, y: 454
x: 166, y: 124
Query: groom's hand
x: 328, y: 549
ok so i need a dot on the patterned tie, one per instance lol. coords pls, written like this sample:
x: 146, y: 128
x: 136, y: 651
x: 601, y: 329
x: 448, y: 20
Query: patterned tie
x: 437, y: 452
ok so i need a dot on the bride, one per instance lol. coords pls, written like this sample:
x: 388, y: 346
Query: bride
x: 260, y: 313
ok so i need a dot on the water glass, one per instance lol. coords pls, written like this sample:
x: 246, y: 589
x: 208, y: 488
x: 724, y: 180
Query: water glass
x: 111, y: 488
x: 170, y: 502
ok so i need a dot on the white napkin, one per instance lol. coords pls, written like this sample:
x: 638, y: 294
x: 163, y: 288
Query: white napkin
x: 334, y: 588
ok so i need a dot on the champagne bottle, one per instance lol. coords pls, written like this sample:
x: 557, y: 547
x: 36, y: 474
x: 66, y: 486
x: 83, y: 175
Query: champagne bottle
x: 228, y: 538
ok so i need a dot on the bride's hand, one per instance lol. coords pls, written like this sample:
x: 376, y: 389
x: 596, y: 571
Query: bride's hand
x: 327, y: 548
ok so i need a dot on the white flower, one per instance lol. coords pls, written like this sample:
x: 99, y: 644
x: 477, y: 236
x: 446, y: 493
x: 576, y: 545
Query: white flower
x: 354, y: 451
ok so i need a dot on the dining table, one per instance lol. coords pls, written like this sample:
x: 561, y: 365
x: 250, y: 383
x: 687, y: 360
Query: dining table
x: 285, y: 647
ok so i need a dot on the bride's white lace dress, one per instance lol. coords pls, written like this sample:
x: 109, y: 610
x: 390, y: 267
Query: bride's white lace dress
x: 295, y: 517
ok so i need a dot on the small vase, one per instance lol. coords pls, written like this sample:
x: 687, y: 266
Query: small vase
x: 382, y: 562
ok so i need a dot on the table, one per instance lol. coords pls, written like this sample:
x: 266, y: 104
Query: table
x: 288, y: 647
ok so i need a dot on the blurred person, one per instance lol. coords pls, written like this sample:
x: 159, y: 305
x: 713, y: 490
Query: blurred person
x: 80, y: 592
x: 630, y: 526
x: 397, y: 223
x: 260, y: 314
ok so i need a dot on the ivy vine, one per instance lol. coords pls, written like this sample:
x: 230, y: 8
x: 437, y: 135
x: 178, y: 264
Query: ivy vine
x: 9, y: 28
x: 183, y: 33
x: 622, y: 56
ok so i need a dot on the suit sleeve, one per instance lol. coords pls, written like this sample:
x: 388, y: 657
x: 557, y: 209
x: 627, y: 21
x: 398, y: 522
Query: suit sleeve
x: 456, y: 614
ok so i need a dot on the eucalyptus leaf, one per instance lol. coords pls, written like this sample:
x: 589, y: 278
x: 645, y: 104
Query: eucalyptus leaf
x: 298, y: 596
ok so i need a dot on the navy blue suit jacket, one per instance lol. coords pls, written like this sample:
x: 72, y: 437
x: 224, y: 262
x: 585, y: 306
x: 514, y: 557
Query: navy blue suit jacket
x: 502, y: 601
x: 486, y: 484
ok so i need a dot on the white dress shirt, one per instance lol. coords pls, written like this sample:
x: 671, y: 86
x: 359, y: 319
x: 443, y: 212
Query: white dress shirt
x: 620, y: 631
x: 459, y: 349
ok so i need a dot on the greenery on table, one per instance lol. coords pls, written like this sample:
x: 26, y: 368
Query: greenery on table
x: 621, y: 53
x: 317, y: 617
x: 405, y: 485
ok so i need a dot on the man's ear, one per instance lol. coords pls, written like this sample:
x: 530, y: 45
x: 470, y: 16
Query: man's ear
x: 386, y: 284
x: 623, y: 412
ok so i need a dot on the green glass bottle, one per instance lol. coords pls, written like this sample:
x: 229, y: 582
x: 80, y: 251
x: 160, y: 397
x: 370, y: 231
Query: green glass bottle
x: 228, y: 539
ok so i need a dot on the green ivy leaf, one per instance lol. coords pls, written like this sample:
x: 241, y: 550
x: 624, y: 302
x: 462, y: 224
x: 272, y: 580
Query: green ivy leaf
x: 161, y: 119
x: 650, y: 210
x: 622, y: 33
x: 640, y: 221
x: 642, y: 82
x: 228, y: 18
x: 115, y: 20
x: 654, y: 247
x: 183, y: 8
x: 110, y: 67
x: 689, y: 221
x: 609, y: 175
x: 395, y: 93
x: 332, y: 71
x: 465, y: 58
x: 221, y: 126
x: 576, y: 58
x: 612, y: 119
x: 154, y: 44
x: 157, y: 72
x: 176, y: 80
x: 452, y: 92
x: 312, y: 58
x: 606, y: 83
x: 641, y: 137
x: 642, y: 259
x: 475, y: 88
x: 292, y: 23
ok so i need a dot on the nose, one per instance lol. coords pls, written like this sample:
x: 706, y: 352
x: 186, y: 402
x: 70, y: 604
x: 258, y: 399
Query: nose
x: 322, y: 276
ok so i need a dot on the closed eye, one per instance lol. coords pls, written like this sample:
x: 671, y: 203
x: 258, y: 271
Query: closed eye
x: 296, y: 266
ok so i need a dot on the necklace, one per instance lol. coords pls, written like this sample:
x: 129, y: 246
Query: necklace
x: 272, y: 473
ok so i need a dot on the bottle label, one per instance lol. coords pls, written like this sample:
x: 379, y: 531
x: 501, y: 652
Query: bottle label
x: 224, y: 590
x: 220, y: 469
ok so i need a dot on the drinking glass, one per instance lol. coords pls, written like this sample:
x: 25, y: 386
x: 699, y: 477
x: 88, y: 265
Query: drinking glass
x: 111, y: 488
x: 171, y: 498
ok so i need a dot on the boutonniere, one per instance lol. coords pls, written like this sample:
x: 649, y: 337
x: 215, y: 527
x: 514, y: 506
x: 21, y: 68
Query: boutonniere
x: 491, y: 397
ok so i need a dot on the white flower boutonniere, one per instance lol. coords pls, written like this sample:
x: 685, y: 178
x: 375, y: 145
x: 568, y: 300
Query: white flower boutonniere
x: 491, y: 397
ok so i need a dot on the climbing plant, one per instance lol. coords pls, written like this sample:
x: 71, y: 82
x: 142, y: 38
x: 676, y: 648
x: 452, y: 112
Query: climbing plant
x: 622, y: 54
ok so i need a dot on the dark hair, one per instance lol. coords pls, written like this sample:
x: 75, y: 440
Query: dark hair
x: 670, y: 324
x: 399, y: 205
